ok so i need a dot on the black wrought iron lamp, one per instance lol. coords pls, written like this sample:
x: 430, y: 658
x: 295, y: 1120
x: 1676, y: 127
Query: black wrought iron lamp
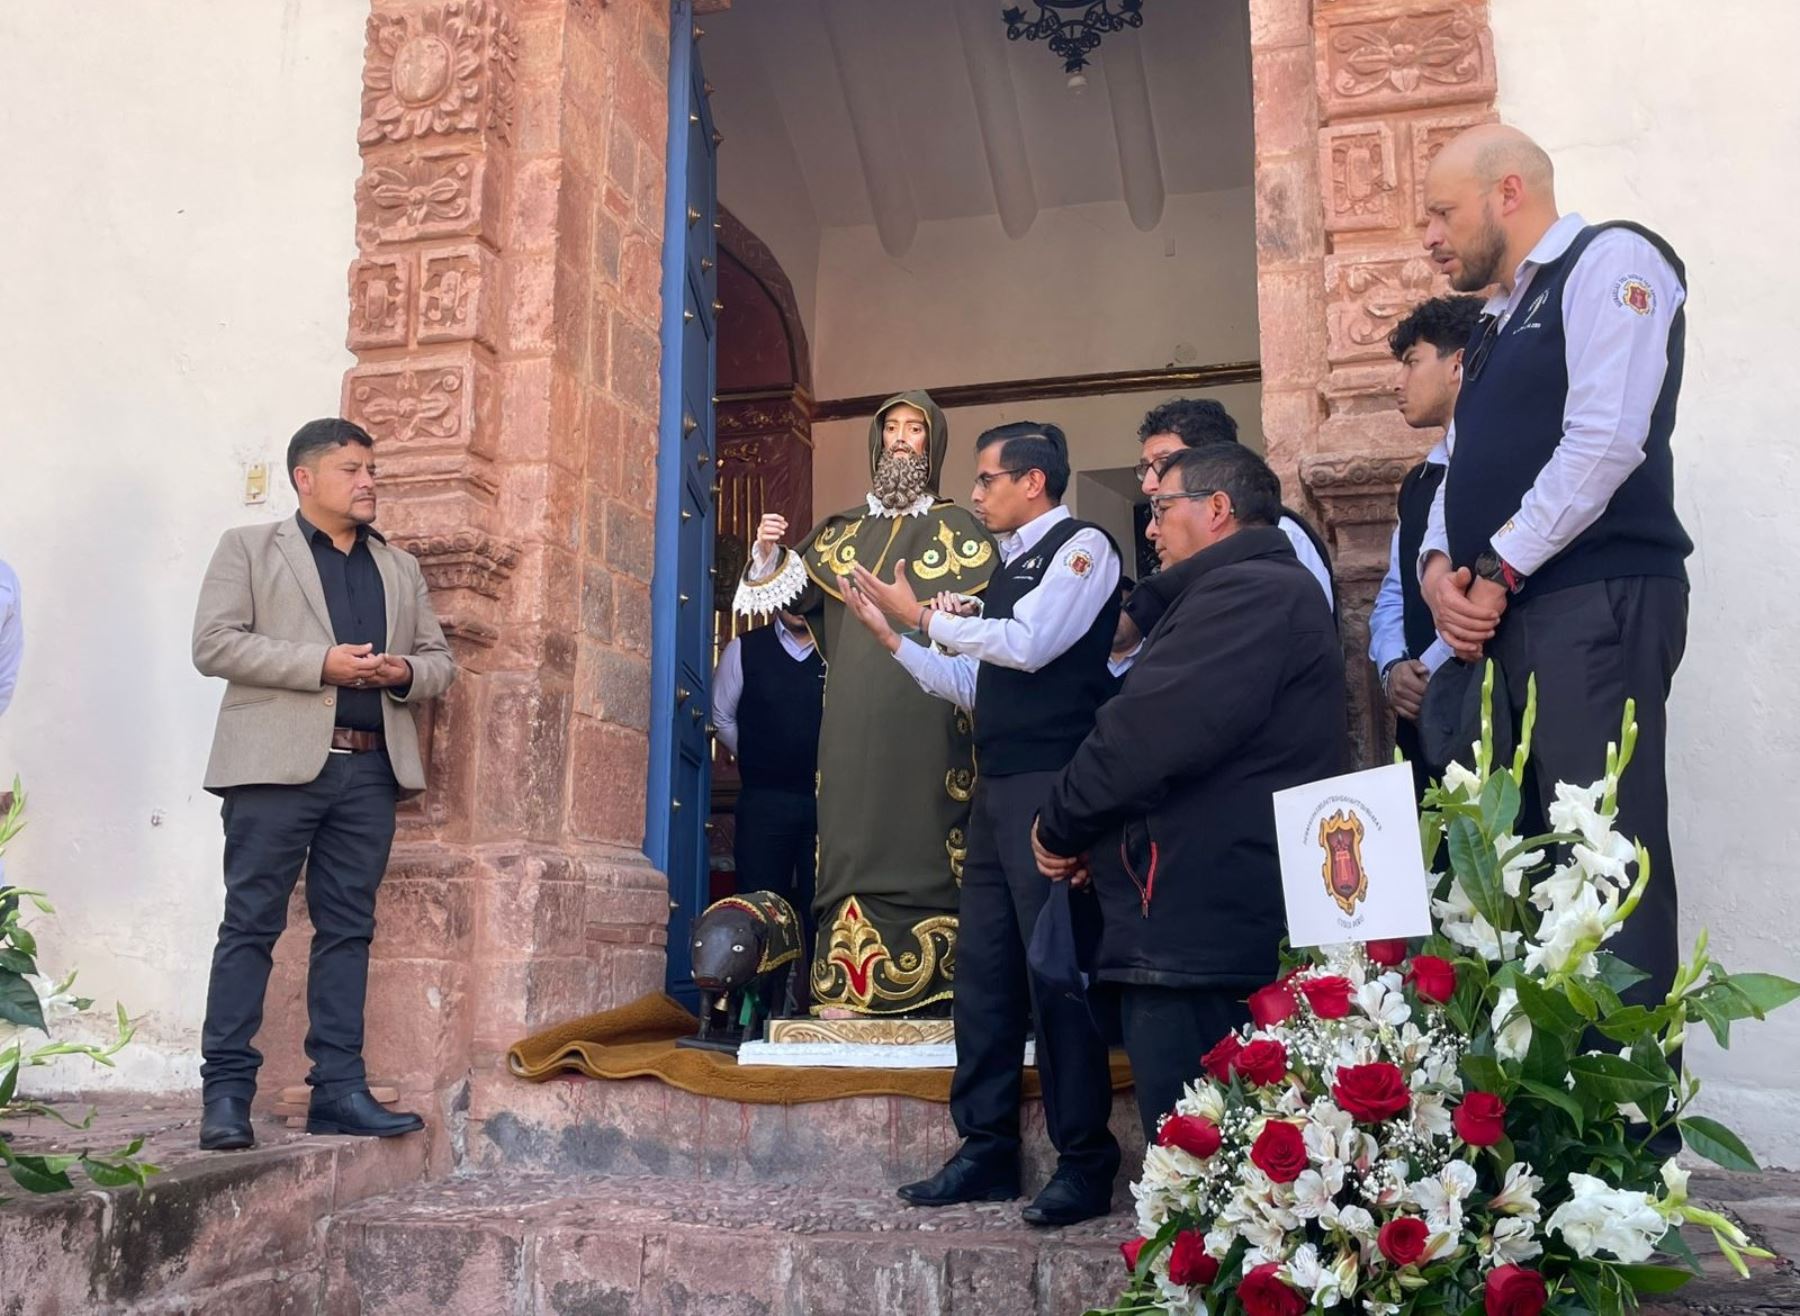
x: 1072, y: 27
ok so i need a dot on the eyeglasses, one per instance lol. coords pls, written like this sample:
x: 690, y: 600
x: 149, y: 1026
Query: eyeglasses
x: 986, y: 479
x: 1157, y: 464
x: 1160, y: 501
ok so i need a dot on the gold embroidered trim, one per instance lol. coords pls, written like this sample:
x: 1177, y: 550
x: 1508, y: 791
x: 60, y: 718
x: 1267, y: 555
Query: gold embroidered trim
x: 858, y: 971
x: 957, y: 847
x: 951, y: 557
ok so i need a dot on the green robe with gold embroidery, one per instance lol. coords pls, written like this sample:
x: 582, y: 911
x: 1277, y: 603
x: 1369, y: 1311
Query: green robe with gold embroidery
x: 896, y: 765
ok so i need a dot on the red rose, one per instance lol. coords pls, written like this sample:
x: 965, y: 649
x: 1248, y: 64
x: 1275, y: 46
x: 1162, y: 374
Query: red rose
x: 1433, y: 978
x: 1371, y: 1093
x: 1194, y: 1134
x: 1188, y: 1262
x: 1262, y: 1062
x: 1263, y: 1294
x: 1329, y: 997
x: 1513, y: 1291
x: 1270, y: 1005
x: 1402, y: 1241
x: 1389, y: 954
x: 1218, y: 1061
x: 1130, y: 1251
x: 1279, y: 1151
x: 1480, y: 1120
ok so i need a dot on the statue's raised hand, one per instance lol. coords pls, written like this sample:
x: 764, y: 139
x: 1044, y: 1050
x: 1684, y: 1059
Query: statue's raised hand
x: 770, y: 531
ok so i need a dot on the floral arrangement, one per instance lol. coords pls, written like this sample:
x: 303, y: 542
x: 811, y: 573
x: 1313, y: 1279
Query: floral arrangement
x: 1461, y: 1127
x: 30, y: 1002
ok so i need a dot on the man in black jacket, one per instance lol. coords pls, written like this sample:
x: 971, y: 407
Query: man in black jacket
x: 1238, y: 692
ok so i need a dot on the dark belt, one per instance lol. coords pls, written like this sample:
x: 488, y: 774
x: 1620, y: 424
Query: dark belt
x: 361, y: 742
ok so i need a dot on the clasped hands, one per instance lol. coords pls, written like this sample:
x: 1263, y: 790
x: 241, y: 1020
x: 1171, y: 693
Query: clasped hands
x: 1466, y: 609
x: 359, y: 667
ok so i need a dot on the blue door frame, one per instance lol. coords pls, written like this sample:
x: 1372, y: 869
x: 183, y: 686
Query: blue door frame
x: 681, y: 603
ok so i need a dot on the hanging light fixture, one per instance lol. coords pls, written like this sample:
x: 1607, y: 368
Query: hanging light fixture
x: 1072, y: 27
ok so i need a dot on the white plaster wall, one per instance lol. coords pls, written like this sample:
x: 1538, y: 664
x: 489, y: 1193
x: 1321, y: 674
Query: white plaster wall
x: 1689, y: 125
x: 1083, y: 291
x: 179, y: 179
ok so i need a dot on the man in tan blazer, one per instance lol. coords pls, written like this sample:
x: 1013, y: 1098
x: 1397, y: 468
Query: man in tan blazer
x: 325, y: 636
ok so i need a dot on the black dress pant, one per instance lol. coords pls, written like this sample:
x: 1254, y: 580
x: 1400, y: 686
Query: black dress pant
x: 997, y: 998
x: 1592, y: 647
x: 775, y: 846
x: 340, y: 826
x: 1167, y: 1030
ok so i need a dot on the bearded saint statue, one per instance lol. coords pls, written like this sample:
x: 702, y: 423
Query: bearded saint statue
x: 896, y: 766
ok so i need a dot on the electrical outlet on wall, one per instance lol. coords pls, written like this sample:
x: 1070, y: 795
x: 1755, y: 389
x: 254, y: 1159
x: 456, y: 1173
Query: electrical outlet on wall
x: 256, y: 483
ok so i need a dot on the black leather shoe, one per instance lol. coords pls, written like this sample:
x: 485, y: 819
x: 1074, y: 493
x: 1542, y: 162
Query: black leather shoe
x: 225, y: 1125
x: 1069, y: 1198
x: 964, y: 1180
x: 361, y: 1116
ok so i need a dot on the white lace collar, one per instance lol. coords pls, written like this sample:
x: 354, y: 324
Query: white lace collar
x: 918, y: 507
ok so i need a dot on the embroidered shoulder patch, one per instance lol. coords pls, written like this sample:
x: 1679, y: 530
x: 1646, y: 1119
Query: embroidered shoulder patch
x: 1079, y: 560
x: 1634, y: 294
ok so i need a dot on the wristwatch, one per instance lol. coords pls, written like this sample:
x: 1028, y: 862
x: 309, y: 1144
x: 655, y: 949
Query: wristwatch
x: 1491, y: 566
x: 1388, y: 671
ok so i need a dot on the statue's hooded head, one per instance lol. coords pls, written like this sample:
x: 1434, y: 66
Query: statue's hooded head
x: 907, y: 441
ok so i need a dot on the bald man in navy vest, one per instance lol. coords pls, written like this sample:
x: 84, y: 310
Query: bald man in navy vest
x: 1554, y: 545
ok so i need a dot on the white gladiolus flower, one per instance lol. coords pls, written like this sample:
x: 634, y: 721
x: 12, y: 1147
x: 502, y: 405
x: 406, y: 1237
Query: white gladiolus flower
x: 1512, y: 874
x: 1518, y: 1195
x: 1512, y: 1029
x: 1582, y: 920
x: 1461, y: 781
x: 1513, y: 1241
x: 1602, y: 1219
x: 1458, y: 921
x: 1577, y: 809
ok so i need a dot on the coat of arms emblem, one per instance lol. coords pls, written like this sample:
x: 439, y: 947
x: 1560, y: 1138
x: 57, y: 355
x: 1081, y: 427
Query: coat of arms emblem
x: 1346, y: 880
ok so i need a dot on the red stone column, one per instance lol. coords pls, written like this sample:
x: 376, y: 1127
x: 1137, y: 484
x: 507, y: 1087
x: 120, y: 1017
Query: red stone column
x: 1353, y: 98
x: 504, y: 310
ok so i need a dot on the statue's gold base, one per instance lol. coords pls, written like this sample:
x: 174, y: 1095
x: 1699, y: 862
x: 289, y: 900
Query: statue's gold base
x: 868, y: 1032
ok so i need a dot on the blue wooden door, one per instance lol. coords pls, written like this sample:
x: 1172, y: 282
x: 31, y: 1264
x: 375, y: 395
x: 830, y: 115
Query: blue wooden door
x: 681, y: 592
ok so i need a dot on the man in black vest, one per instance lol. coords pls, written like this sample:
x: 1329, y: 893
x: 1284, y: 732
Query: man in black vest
x: 1403, y: 641
x: 1032, y: 670
x: 768, y: 699
x: 1554, y: 544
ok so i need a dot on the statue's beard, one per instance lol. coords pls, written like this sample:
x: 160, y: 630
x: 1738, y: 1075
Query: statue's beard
x: 900, y: 477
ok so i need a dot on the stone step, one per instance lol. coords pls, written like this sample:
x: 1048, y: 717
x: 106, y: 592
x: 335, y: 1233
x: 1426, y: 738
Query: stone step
x: 533, y: 1244
x: 644, y: 1127
x: 216, y: 1232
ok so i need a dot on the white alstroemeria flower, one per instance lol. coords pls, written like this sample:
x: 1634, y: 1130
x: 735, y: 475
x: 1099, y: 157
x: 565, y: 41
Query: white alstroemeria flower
x: 1599, y: 1218
x: 1518, y: 1195
x: 1172, y: 1298
x: 1376, y: 1307
x: 1306, y: 1272
x: 1218, y: 1242
x: 1439, y: 1243
x: 1512, y: 1241
x: 1431, y: 1115
x: 1345, y: 1269
x: 1512, y: 872
x: 1441, y: 1196
x: 1383, y: 1004
x: 1512, y: 1028
x: 1459, y: 780
x: 1203, y: 1098
x: 1314, y: 1190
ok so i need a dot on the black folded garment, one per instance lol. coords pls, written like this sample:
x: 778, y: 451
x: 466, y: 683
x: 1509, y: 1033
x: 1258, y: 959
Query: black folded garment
x: 1450, y: 716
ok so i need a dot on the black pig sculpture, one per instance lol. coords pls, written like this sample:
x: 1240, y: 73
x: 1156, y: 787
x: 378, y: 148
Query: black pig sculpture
x: 744, y: 950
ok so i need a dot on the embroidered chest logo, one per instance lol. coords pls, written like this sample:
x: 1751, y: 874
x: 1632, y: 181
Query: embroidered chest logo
x: 1529, y: 319
x: 1346, y: 880
x: 1634, y: 294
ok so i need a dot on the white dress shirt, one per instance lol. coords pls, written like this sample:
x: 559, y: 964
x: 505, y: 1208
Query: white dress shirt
x: 12, y: 634
x: 728, y: 681
x: 1308, y: 555
x: 1616, y: 361
x: 1387, y: 620
x: 1045, y: 623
